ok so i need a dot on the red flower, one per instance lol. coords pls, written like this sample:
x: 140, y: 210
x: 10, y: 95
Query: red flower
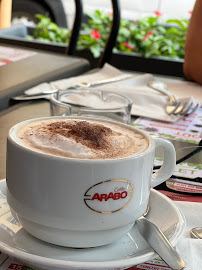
x: 128, y: 46
x: 147, y: 35
x: 190, y: 11
x: 95, y: 33
x: 110, y: 13
x: 157, y: 13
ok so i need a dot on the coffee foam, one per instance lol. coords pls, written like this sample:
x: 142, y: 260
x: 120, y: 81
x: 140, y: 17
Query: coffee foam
x: 82, y: 139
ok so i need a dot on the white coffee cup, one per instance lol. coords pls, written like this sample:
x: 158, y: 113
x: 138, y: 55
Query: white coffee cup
x: 81, y: 202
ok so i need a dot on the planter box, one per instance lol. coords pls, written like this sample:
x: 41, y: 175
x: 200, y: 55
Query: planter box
x: 16, y: 35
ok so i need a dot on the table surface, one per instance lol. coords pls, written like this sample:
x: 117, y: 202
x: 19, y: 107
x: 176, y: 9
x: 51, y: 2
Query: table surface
x: 36, y: 67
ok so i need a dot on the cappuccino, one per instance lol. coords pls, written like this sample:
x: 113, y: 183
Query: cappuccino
x: 83, y: 139
x: 81, y: 182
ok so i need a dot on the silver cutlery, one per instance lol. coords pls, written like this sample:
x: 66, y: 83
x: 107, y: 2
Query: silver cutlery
x: 25, y: 97
x: 46, y: 93
x: 196, y: 232
x: 182, y: 106
x: 157, y: 240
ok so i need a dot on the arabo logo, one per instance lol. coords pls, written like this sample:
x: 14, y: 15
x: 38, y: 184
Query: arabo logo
x: 109, y: 196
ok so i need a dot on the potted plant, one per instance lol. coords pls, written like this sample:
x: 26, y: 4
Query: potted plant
x: 146, y: 44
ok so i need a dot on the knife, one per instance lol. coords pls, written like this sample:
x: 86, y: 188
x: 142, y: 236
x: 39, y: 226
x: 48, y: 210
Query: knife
x: 45, y: 94
x: 157, y: 240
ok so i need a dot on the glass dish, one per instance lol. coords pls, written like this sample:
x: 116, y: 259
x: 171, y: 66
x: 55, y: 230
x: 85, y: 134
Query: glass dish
x: 85, y: 102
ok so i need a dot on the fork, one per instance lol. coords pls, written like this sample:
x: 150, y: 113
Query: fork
x: 183, y: 106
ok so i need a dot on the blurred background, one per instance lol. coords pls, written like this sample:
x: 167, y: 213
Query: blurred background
x: 62, y: 11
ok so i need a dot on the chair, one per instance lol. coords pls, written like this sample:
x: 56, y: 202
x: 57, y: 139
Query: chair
x: 107, y: 53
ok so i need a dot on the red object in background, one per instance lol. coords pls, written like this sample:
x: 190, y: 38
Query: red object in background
x: 6, y: 61
x: 157, y: 13
x: 16, y: 266
x: 147, y: 35
x: 181, y: 197
x: 128, y: 46
x: 95, y: 33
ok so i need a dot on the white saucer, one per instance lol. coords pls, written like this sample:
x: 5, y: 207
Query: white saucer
x: 129, y: 250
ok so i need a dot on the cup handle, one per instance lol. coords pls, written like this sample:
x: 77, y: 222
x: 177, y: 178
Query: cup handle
x: 169, y: 162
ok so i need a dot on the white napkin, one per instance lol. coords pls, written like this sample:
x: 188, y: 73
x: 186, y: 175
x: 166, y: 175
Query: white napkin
x: 92, y: 101
x: 38, y: 89
x: 191, y: 249
x: 146, y: 101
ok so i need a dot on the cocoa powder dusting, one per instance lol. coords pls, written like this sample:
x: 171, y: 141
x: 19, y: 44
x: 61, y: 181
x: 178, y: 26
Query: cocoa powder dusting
x: 89, y: 134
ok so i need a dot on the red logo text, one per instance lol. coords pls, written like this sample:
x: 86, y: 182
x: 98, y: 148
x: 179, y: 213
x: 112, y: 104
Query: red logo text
x: 111, y: 195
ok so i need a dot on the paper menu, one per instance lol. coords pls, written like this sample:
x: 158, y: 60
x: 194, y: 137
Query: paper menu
x: 188, y: 129
x: 9, y: 55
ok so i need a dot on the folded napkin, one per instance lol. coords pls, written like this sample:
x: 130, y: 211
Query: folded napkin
x: 191, y: 249
x: 89, y: 99
x: 146, y: 101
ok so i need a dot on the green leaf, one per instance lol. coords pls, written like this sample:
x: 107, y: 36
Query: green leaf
x: 165, y: 40
x: 95, y: 51
x: 29, y: 37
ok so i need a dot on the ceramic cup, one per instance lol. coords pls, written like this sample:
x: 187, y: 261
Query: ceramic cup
x: 81, y: 202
